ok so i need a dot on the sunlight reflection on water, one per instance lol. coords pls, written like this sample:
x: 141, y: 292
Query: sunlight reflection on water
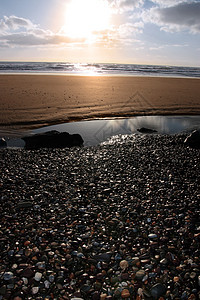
x: 96, y: 131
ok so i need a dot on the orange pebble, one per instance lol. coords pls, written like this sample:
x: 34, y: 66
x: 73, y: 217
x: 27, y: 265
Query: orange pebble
x: 125, y: 294
x: 176, y: 279
x: 27, y: 243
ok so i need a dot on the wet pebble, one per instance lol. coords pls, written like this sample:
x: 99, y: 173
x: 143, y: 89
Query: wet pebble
x: 116, y: 221
x: 158, y: 290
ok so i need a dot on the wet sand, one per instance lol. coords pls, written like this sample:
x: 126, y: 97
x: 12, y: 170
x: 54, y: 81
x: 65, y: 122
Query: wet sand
x: 28, y: 101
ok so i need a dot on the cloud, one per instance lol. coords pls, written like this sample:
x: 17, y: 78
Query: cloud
x: 130, y: 29
x: 20, y: 32
x: 167, y: 3
x: 165, y: 46
x: 15, y: 31
x: 121, y: 6
x: 183, y: 16
x: 30, y: 39
x: 14, y: 23
x: 117, y: 36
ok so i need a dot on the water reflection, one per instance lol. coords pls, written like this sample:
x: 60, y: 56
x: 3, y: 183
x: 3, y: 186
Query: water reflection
x: 94, y: 132
x: 97, y: 131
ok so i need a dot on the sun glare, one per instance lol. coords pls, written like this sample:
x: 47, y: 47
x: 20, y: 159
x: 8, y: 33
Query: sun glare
x: 85, y: 18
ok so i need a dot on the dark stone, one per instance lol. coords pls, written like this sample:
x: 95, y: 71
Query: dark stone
x: 146, y: 130
x: 52, y: 139
x: 24, y: 204
x: 103, y: 257
x: 28, y: 273
x: 193, y: 140
x: 3, y: 143
x: 158, y: 290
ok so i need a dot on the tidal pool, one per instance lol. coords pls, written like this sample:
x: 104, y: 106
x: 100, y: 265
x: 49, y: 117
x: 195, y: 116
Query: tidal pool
x: 96, y: 131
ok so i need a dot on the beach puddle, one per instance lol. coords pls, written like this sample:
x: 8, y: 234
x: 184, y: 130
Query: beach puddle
x: 96, y: 131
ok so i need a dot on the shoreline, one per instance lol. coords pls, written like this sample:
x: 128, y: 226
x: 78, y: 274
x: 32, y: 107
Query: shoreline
x: 95, y: 75
x: 32, y: 101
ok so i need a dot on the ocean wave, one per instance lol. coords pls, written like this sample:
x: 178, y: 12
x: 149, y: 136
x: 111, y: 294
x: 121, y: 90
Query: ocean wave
x: 96, y: 68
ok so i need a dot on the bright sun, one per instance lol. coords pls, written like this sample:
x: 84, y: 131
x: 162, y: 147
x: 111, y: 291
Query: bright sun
x: 84, y: 18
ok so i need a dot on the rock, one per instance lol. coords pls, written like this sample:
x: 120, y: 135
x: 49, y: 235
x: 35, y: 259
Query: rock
x: 8, y: 275
x: 52, y: 139
x: 193, y: 140
x: 47, y: 284
x: 35, y: 290
x: 123, y: 264
x: 103, y: 257
x: 140, y: 274
x: 25, y: 204
x: 146, y: 130
x: 152, y: 236
x: 27, y: 273
x: 38, y: 276
x: 3, y: 143
x: 125, y: 294
x: 158, y: 290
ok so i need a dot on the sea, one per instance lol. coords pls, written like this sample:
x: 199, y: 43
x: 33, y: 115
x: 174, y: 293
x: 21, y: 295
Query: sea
x: 97, y: 69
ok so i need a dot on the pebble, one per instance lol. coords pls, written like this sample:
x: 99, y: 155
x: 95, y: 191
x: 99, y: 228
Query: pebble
x: 140, y: 274
x: 125, y: 294
x: 115, y: 221
x: 158, y: 290
x: 8, y: 276
x: 35, y: 290
x: 152, y: 236
x: 123, y: 264
x: 38, y: 276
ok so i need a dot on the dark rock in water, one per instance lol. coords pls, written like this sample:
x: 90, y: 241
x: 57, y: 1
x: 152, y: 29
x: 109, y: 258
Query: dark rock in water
x: 193, y: 140
x: 52, y: 139
x: 146, y: 130
x: 158, y: 290
x: 3, y: 142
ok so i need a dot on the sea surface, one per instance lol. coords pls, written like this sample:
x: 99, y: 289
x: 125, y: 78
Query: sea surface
x: 98, y: 69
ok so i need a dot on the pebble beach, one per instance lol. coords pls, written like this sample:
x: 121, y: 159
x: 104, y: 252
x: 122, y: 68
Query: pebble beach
x: 116, y: 221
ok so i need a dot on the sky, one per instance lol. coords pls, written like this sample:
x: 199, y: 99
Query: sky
x: 162, y: 32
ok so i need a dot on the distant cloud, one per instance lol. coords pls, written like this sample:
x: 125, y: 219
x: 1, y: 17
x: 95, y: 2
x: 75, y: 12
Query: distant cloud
x: 30, y: 39
x: 14, y: 23
x: 157, y: 48
x: 130, y: 29
x: 15, y: 31
x: 183, y: 16
x: 125, y: 5
x: 118, y: 36
x: 166, y: 3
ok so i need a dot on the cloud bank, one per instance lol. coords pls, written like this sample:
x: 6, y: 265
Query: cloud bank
x: 180, y: 17
x: 16, y: 31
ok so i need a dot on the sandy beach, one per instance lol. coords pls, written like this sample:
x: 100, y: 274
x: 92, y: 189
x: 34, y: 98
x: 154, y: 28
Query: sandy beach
x: 28, y: 101
x: 116, y: 221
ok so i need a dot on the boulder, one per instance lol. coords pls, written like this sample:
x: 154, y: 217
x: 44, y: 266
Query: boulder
x: 52, y: 139
x: 193, y: 140
x: 146, y: 130
x: 3, y: 143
